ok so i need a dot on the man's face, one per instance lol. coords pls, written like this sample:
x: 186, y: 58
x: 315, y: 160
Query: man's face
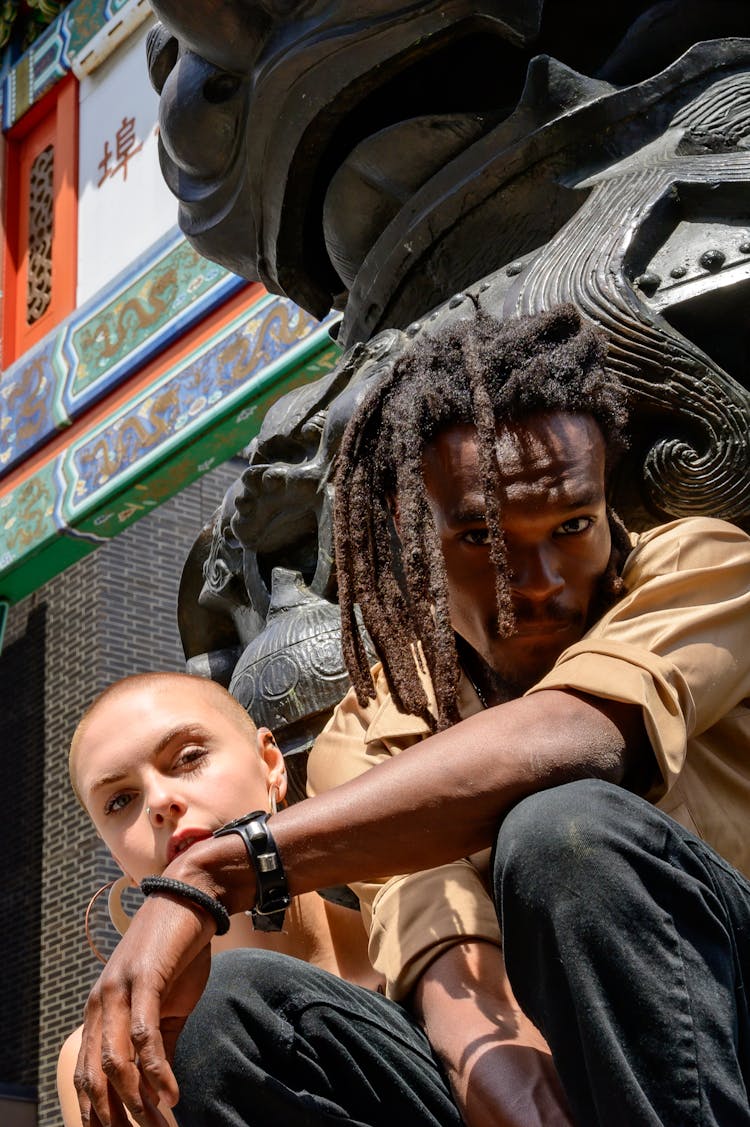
x: 557, y: 539
x: 159, y: 767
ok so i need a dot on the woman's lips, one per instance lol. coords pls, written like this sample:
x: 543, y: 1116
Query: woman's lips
x: 182, y: 840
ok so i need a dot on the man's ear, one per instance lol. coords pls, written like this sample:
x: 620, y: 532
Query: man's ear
x: 271, y: 755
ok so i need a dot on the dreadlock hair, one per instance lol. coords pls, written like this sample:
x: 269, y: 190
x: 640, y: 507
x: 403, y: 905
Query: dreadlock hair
x: 481, y: 372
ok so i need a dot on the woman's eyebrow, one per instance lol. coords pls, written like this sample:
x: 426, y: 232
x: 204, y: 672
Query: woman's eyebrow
x: 177, y: 733
x: 108, y: 780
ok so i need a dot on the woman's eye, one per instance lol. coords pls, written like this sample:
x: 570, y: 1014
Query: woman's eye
x: 574, y: 525
x: 191, y: 757
x: 477, y: 537
x: 117, y: 803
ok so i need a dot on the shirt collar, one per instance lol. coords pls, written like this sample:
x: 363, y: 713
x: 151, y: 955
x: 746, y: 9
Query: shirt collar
x: 389, y: 723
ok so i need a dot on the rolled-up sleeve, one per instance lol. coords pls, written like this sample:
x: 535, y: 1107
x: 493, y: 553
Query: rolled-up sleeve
x: 410, y: 919
x: 414, y: 919
x: 341, y: 751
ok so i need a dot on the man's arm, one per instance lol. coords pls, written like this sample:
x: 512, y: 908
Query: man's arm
x: 435, y: 802
x: 498, y: 1064
x: 443, y: 798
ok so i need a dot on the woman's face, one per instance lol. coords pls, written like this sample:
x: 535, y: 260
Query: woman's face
x: 161, y: 765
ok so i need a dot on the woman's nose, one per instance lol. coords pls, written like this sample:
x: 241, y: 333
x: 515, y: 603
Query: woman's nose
x: 162, y: 807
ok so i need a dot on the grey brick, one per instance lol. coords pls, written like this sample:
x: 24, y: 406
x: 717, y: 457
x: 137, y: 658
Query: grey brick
x: 113, y: 613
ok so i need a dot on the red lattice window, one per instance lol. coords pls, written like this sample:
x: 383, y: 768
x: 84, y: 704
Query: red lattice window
x: 40, y: 220
x: 41, y: 201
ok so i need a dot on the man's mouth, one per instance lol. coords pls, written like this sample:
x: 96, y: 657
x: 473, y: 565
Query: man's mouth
x: 535, y: 629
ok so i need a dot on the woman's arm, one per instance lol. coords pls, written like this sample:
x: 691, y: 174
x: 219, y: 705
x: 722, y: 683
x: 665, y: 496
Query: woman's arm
x: 66, y: 1093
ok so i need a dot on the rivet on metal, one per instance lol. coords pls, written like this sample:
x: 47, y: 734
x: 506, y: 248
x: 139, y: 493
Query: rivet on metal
x: 712, y: 260
x: 648, y: 283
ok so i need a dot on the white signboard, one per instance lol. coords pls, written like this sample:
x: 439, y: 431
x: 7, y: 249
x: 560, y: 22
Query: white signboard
x: 124, y: 206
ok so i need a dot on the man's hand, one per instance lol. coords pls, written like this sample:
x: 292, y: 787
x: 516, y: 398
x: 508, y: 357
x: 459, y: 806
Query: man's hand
x: 150, y: 985
x: 499, y: 1066
x: 136, y: 1010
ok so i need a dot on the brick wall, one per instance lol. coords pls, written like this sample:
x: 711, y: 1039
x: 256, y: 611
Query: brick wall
x: 112, y: 614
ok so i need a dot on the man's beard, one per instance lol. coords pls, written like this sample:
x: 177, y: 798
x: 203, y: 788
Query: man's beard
x: 502, y: 682
x: 497, y: 686
x: 609, y: 588
x: 491, y: 686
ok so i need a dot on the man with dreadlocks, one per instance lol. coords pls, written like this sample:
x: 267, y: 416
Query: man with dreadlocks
x: 549, y: 687
x: 424, y: 548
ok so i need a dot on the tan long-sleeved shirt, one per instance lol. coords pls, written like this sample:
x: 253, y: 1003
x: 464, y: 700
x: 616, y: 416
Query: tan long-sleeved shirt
x: 677, y: 645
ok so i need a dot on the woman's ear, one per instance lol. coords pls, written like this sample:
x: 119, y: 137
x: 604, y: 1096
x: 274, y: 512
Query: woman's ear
x: 122, y: 869
x: 274, y: 761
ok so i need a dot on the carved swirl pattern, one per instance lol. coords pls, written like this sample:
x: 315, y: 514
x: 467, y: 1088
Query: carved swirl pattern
x: 701, y: 468
x: 301, y: 673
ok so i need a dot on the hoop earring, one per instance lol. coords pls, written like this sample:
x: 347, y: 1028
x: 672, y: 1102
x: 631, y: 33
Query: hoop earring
x: 117, y: 914
x: 273, y: 798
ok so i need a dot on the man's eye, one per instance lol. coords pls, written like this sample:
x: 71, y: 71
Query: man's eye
x: 478, y: 537
x: 574, y: 525
x: 117, y: 803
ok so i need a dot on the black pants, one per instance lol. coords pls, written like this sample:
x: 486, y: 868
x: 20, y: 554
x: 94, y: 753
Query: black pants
x: 277, y: 1043
x: 626, y: 940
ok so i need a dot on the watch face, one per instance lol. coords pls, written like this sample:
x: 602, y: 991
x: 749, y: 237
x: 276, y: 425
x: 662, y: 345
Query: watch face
x: 244, y: 820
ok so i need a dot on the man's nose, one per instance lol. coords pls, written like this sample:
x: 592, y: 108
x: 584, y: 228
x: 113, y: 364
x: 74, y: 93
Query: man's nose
x: 534, y: 575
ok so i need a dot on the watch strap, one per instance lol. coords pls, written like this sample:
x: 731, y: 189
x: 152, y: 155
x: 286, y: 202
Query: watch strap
x: 272, y: 890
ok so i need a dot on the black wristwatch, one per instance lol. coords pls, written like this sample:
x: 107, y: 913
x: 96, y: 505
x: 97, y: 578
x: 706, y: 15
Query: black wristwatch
x: 273, y: 892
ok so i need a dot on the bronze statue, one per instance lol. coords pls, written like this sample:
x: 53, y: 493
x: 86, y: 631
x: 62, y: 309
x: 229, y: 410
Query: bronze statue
x: 396, y: 161
x: 255, y: 605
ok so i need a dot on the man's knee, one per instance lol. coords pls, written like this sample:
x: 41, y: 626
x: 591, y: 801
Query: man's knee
x: 234, y: 972
x: 562, y: 838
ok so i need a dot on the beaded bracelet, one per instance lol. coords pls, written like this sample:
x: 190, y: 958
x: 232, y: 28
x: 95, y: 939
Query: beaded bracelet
x: 209, y: 904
